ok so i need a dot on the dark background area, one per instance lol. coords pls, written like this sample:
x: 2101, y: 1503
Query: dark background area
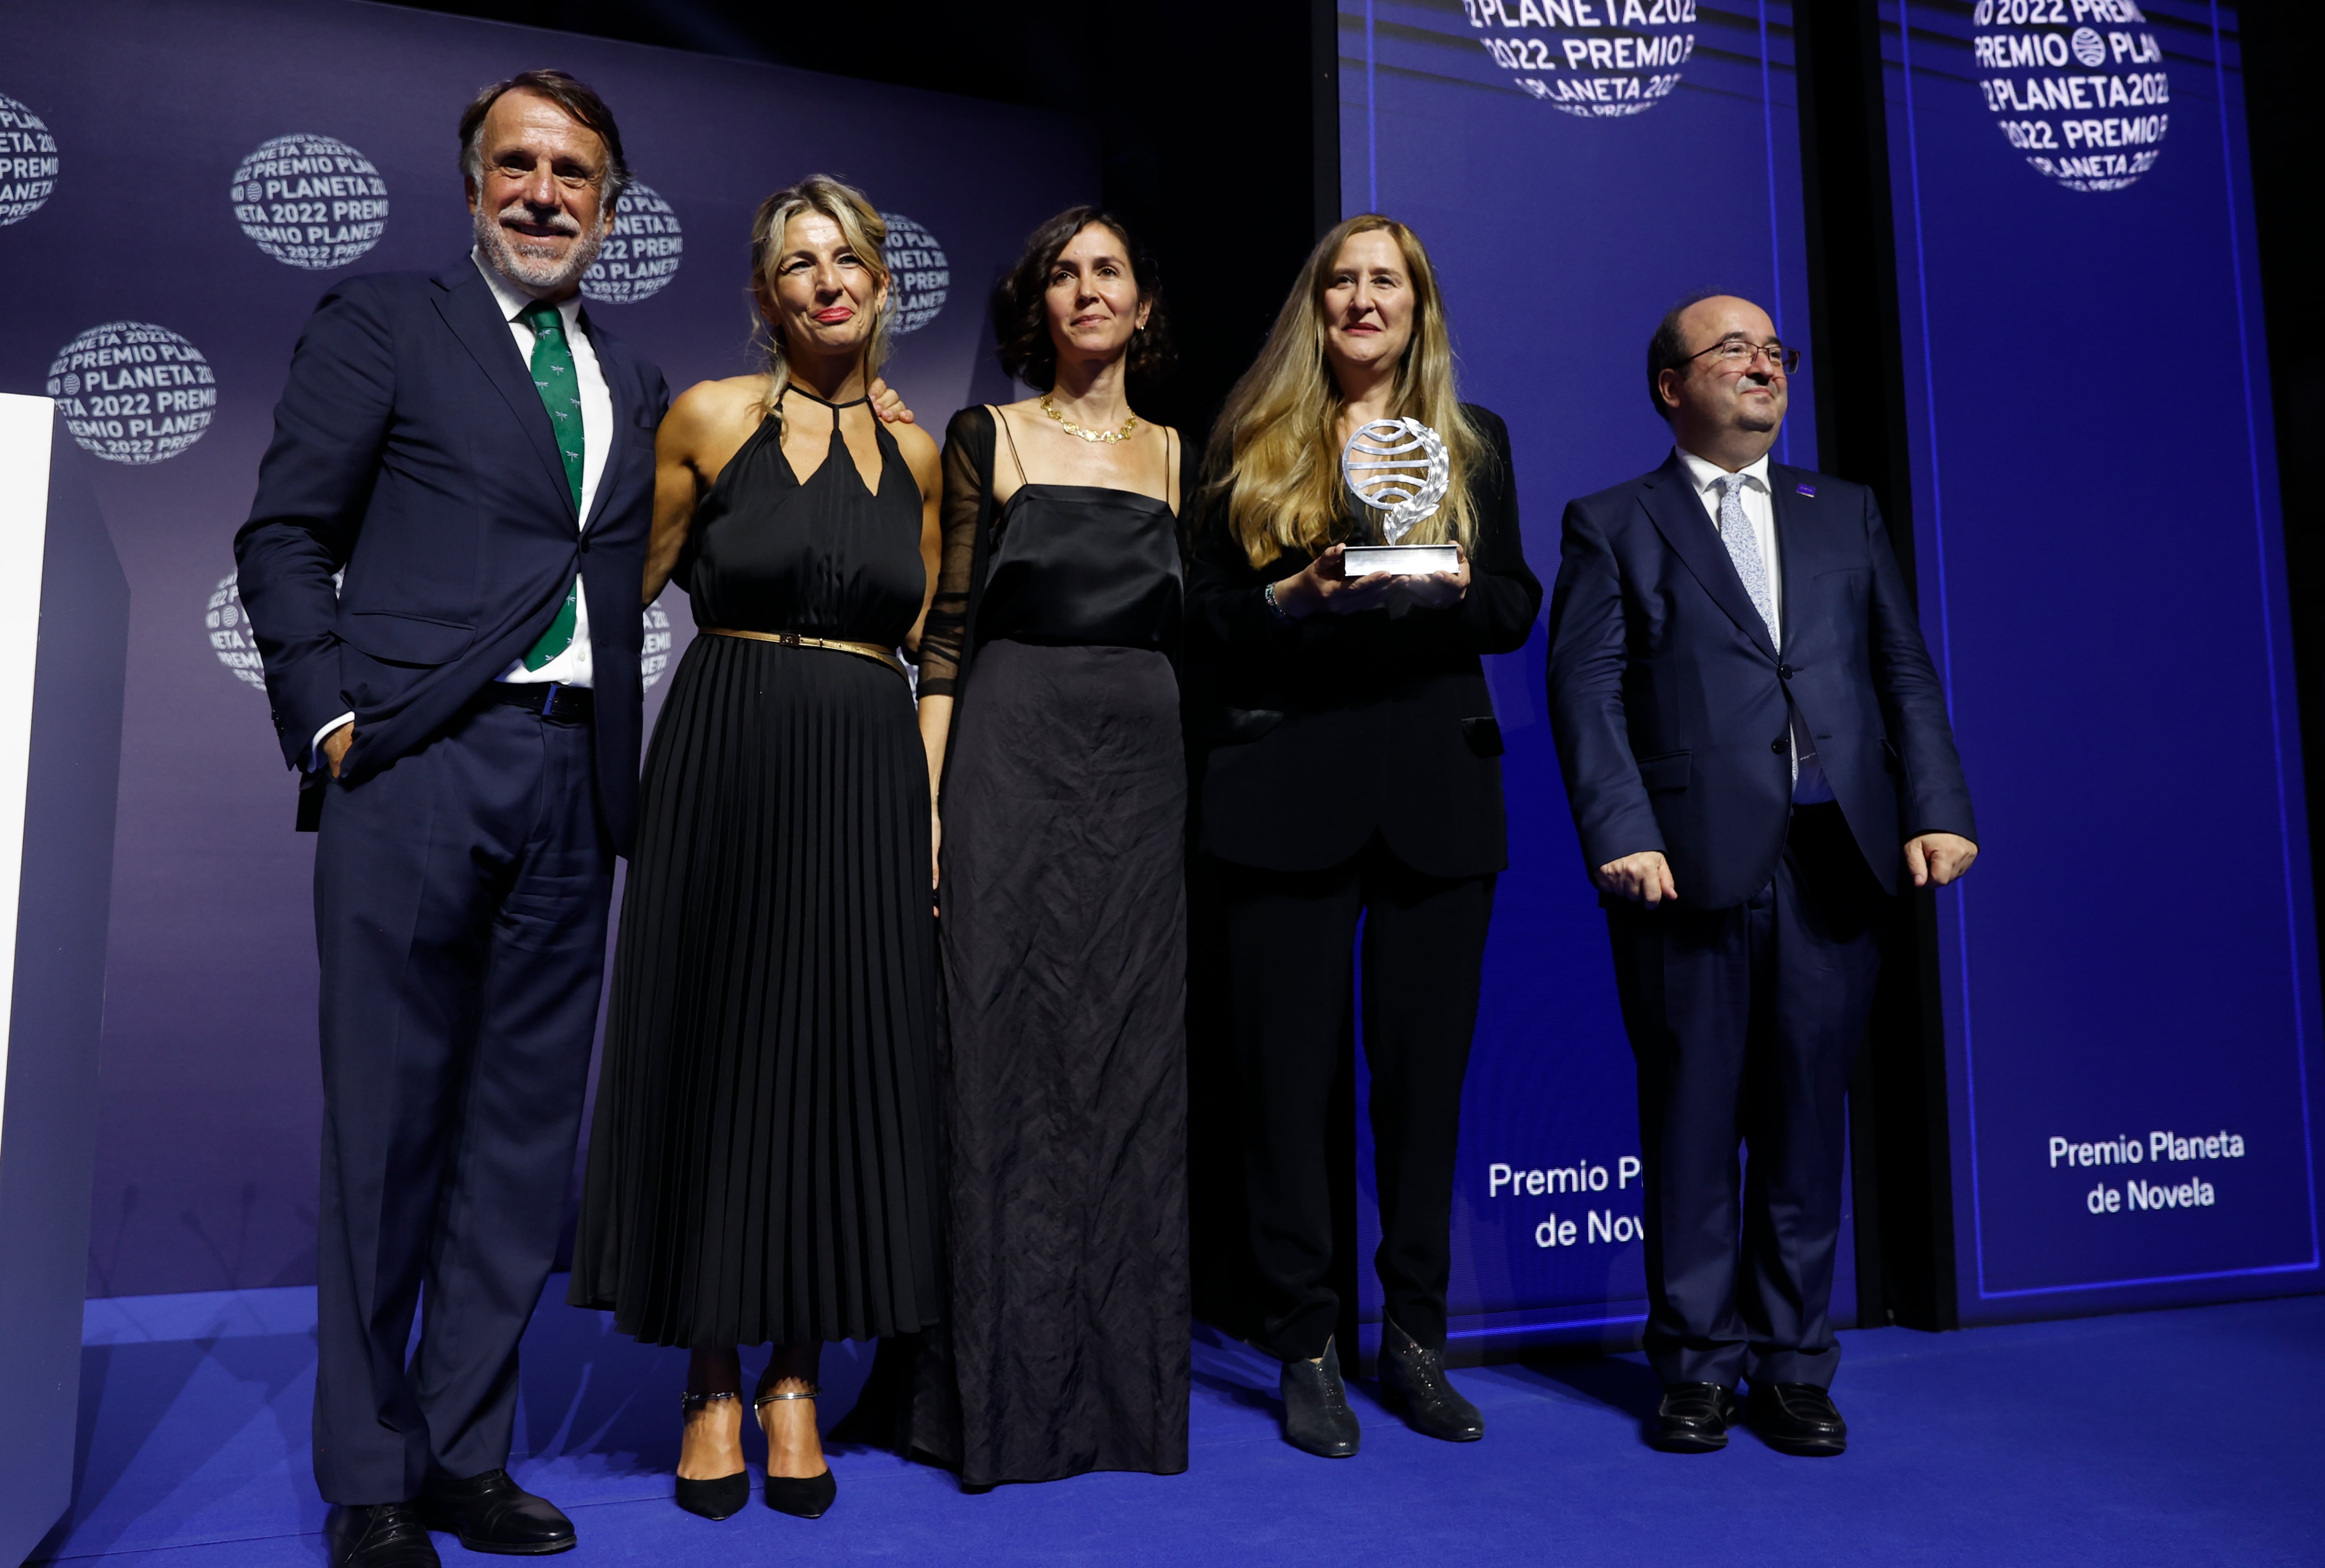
x: 1206, y: 115
x: 1216, y: 127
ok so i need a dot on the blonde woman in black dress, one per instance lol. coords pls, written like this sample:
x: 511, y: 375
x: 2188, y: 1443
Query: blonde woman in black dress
x: 763, y: 1167
x: 1047, y: 676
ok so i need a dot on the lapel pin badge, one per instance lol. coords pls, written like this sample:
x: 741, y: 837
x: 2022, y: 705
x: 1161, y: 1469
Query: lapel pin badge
x: 1808, y: 490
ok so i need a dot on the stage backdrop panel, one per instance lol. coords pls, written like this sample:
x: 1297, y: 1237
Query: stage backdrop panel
x: 178, y: 184
x: 1574, y: 166
x: 2130, y: 973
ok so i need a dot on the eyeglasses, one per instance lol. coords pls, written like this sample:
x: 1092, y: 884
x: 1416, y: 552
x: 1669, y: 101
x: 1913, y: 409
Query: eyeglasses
x: 1735, y: 354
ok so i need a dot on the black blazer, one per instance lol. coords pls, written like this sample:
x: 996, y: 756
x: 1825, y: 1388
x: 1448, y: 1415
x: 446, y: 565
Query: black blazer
x: 1326, y: 731
x: 1669, y: 706
x: 412, y: 451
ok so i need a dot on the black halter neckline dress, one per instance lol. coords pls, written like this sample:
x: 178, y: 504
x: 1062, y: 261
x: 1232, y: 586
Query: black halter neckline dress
x: 763, y: 1164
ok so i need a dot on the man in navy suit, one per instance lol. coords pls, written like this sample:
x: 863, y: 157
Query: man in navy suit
x: 1755, y: 746
x: 476, y: 454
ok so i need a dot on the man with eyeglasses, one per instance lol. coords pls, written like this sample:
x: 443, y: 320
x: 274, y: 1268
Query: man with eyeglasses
x: 1757, y: 756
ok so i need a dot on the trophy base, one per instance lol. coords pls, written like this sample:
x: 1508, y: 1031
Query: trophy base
x: 1399, y: 560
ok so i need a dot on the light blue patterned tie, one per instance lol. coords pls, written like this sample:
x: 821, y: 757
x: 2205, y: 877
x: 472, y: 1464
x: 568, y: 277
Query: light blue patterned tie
x: 1743, y: 543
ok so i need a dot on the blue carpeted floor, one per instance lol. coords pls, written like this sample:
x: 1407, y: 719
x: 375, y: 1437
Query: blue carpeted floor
x: 2178, y: 1437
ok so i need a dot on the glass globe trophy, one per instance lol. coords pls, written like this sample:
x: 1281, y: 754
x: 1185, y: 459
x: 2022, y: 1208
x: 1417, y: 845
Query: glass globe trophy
x: 1397, y: 468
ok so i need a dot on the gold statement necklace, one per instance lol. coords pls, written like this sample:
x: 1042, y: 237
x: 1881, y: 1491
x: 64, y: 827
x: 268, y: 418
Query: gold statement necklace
x: 1108, y: 436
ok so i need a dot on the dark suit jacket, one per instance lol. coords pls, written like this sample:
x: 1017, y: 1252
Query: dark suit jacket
x: 1334, y: 727
x: 412, y: 449
x: 1669, y: 705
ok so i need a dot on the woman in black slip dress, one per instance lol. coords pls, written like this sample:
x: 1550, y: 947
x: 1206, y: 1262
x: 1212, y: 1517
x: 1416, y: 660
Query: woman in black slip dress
x: 764, y: 1163
x: 1046, y: 671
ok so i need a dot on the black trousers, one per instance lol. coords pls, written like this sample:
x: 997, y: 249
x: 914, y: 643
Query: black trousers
x: 1744, y: 1023
x: 1290, y: 936
x: 461, y: 902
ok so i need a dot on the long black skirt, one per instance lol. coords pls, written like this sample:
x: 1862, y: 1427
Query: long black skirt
x: 1063, y: 942
x: 762, y: 1162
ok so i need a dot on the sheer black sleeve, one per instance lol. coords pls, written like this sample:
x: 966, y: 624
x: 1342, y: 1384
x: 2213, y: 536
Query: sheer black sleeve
x: 1190, y: 495
x: 967, y: 489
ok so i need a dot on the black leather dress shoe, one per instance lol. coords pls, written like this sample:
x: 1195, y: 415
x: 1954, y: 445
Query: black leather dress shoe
x: 388, y: 1536
x: 1415, y: 1378
x: 1694, y: 1418
x: 1797, y: 1418
x: 491, y: 1513
x: 1316, y: 1413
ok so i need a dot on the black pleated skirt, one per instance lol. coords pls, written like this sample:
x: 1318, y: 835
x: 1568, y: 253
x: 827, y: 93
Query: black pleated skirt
x: 1065, y: 1345
x: 763, y: 1161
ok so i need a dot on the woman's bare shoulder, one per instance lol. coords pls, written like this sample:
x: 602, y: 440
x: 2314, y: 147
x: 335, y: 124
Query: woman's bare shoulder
x: 713, y: 403
x: 916, y: 444
x: 710, y: 411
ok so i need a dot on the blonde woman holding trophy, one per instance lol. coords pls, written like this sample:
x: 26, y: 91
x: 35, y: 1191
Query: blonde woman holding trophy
x: 1359, y: 553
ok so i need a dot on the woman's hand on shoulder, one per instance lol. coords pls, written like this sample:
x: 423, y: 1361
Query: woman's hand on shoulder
x: 888, y: 404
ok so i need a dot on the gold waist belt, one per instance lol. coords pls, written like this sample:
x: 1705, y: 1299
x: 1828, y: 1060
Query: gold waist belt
x: 872, y: 651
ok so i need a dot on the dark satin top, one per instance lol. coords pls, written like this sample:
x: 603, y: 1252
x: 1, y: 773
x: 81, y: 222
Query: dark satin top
x: 1080, y: 565
x: 826, y: 559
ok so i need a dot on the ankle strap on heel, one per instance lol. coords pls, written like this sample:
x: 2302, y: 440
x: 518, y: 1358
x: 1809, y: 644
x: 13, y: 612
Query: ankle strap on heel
x: 765, y: 1399
x: 691, y: 1402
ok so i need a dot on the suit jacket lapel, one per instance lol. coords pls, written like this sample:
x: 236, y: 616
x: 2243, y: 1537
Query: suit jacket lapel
x: 614, y: 368
x: 1679, y: 516
x: 468, y: 308
x: 1793, y: 547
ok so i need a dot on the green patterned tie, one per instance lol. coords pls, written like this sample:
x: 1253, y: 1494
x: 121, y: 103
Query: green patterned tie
x: 561, y: 395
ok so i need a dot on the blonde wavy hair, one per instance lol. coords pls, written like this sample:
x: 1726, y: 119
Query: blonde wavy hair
x: 1275, y: 449
x: 866, y: 233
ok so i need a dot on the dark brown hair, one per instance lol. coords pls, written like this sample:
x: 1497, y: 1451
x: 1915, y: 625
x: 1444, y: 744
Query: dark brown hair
x: 1020, y: 316
x: 1667, y: 350
x: 579, y: 101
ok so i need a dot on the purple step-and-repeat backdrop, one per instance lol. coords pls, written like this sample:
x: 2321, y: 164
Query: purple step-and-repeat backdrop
x: 2131, y: 988
x: 2131, y: 976
x: 1574, y: 166
x: 178, y: 184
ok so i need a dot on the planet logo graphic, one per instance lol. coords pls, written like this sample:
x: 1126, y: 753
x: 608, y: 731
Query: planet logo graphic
x: 229, y: 632
x: 1599, y: 59
x: 28, y: 162
x: 2078, y: 86
x: 920, y: 275
x: 642, y: 255
x: 656, y: 658
x: 228, y: 626
x: 133, y: 392
x: 310, y: 201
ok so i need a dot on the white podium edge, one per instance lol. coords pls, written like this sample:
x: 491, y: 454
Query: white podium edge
x: 27, y: 433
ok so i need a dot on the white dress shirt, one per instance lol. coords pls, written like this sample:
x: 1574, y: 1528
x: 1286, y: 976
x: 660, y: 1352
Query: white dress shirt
x: 1810, y: 786
x: 572, y: 667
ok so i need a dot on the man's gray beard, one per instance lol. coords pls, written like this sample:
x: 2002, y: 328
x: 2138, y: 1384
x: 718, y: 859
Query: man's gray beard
x: 540, y: 277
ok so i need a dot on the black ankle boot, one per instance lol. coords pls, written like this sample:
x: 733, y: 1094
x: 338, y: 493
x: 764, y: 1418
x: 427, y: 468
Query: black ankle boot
x: 1415, y: 1378
x: 1316, y: 1413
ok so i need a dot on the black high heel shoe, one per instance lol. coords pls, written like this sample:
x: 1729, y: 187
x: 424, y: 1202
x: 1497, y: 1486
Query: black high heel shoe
x: 800, y: 1498
x: 721, y: 1497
